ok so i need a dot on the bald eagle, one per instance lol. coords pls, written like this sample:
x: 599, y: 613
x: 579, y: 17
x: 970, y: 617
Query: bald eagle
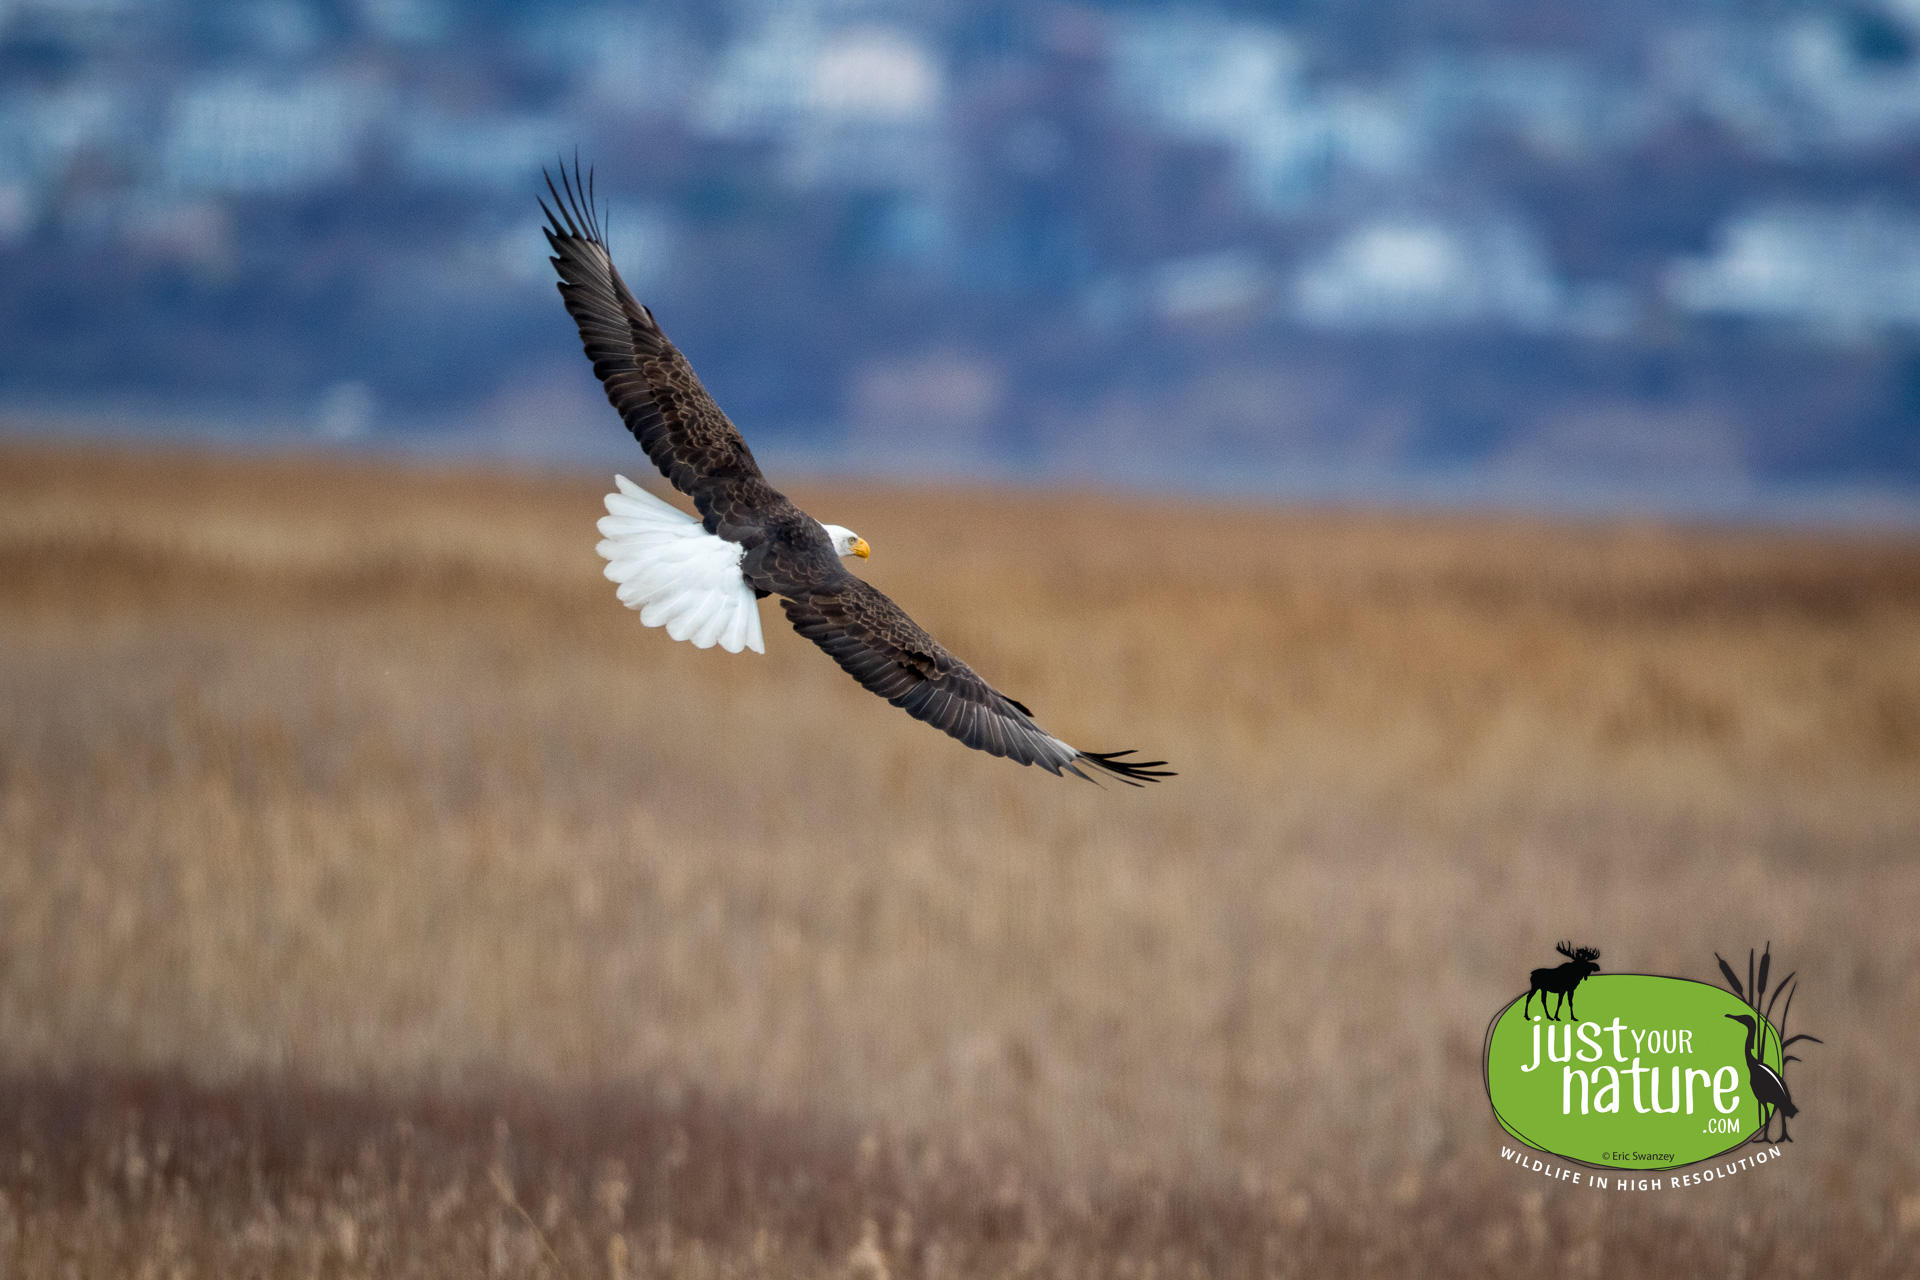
x: 702, y: 579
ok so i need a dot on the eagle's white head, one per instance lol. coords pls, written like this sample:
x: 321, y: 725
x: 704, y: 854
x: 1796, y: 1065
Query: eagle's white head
x: 846, y: 542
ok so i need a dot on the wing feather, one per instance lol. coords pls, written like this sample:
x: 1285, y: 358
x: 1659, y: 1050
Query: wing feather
x: 876, y: 643
x: 647, y: 380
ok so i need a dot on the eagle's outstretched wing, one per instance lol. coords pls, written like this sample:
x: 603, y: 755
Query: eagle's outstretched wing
x: 889, y: 653
x: 646, y: 378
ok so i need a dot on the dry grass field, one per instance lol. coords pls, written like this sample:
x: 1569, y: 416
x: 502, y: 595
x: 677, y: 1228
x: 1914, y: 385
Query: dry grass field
x: 378, y: 897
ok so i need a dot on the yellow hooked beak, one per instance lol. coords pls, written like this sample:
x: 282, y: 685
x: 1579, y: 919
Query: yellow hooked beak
x: 861, y: 549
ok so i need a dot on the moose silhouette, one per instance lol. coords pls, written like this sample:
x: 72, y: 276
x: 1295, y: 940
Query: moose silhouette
x: 1562, y: 979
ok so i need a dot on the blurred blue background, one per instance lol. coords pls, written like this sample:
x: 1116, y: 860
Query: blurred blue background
x: 1633, y: 254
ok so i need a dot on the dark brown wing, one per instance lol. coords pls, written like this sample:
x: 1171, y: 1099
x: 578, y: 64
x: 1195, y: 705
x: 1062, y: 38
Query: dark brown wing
x: 647, y: 379
x: 885, y: 650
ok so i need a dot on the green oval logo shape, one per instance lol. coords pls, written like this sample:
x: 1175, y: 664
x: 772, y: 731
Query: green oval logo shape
x: 1654, y: 1073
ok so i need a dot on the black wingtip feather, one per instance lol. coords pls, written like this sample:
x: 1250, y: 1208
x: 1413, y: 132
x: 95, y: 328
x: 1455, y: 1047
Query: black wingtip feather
x: 559, y: 215
x: 1132, y: 772
x: 552, y: 229
x: 575, y: 202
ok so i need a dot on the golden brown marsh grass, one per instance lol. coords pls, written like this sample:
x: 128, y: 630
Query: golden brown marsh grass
x: 343, y: 813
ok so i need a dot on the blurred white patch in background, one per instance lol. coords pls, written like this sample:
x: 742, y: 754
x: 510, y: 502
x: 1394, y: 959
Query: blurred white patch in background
x: 484, y: 151
x: 790, y: 69
x: 346, y: 411
x: 1240, y: 84
x: 1842, y: 274
x: 1638, y: 447
x: 197, y: 232
x: 42, y: 133
x: 549, y: 410
x: 621, y: 59
x: 857, y: 106
x: 875, y: 73
x: 1807, y: 83
x: 405, y: 21
x: 1211, y: 77
x: 1558, y: 108
x: 69, y: 19
x: 936, y: 408
x: 1417, y: 273
x: 1246, y: 85
x: 245, y: 134
x: 284, y: 28
x: 1209, y: 285
x: 16, y: 212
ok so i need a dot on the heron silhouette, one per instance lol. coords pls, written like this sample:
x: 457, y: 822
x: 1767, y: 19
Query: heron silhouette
x: 1769, y: 1087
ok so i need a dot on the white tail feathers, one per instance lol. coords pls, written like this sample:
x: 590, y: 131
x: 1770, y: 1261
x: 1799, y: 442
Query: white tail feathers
x: 677, y: 574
